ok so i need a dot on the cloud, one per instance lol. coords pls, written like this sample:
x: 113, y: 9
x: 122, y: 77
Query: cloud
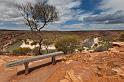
x: 111, y: 17
x: 113, y: 13
x: 65, y: 9
x: 6, y: 9
x: 107, y: 27
x: 113, y: 5
x: 25, y: 1
x: 83, y: 27
x: 10, y: 13
x: 117, y: 17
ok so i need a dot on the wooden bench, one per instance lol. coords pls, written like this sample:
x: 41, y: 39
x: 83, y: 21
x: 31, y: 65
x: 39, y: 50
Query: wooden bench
x: 27, y: 60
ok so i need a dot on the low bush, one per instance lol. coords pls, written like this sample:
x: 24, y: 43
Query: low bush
x: 80, y: 48
x: 35, y: 50
x: 22, y: 50
x: 67, y: 44
x: 121, y: 37
x: 103, y: 46
x: 49, y: 51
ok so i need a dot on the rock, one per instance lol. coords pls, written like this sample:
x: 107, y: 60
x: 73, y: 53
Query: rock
x: 2, y: 62
x: 113, y: 50
x: 99, y: 74
x: 122, y: 68
x: 68, y: 62
x: 118, y: 70
x: 121, y: 76
x: 72, y: 76
x: 91, y: 51
x: 64, y: 80
x: 67, y: 77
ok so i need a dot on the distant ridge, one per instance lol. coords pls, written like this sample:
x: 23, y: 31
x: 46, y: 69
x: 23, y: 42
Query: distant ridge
x: 11, y: 30
x: 62, y: 31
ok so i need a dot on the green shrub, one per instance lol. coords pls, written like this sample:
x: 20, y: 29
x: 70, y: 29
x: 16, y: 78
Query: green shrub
x: 50, y: 51
x: 22, y: 50
x: 80, y: 48
x: 103, y: 46
x: 67, y: 44
x: 121, y: 37
x: 35, y: 50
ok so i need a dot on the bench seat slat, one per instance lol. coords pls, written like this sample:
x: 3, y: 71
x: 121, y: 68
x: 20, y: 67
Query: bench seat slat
x: 22, y: 61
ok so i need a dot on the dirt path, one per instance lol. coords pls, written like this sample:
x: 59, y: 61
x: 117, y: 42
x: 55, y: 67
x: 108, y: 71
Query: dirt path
x: 37, y: 75
x: 39, y: 71
x: 7, y: 75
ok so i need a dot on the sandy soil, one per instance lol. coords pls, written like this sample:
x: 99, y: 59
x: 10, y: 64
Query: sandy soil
x: 105, y: 66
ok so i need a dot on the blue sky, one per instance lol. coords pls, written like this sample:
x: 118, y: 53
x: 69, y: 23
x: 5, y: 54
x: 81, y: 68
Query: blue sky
x: 73, y: 15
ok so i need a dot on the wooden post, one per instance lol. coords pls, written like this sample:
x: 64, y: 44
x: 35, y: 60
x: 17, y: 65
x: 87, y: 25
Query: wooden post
x: 26, y: 68
x: 53, y: 60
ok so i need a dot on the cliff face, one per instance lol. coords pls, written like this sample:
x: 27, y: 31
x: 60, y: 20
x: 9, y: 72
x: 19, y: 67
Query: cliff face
x: 9, y: 37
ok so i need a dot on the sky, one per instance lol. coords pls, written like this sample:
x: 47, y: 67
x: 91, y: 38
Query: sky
x: 74, y: 15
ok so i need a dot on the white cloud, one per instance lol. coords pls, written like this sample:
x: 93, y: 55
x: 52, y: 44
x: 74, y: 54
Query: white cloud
x: 113, y: 5
x: 113, y: 13
x: 81, y: 17
x: 107, y: 27
x: 65, y: 9
x: 9, y: 12
x: 82, y: 27
x: 25, y: 1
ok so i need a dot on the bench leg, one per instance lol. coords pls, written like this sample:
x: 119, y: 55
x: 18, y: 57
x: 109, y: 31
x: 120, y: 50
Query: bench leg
x: 26, y: 68
x: 53, y: 60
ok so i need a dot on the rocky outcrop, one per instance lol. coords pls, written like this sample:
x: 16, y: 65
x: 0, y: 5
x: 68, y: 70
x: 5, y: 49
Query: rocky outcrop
x: 70, y: 75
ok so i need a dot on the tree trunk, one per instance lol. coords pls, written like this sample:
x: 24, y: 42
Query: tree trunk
x: 47, y: 49
x: 39, y: 50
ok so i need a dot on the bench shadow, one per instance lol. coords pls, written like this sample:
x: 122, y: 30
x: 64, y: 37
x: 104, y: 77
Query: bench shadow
x: 36, y: 67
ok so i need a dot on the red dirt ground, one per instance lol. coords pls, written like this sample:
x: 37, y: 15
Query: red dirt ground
x: 105, y: 66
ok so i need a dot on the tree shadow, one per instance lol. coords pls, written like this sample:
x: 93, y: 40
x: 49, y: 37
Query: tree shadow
x: 36, y: 67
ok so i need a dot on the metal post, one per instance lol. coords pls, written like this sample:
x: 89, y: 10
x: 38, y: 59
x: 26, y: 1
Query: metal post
x: 26, y: 67
x: 53, y: 60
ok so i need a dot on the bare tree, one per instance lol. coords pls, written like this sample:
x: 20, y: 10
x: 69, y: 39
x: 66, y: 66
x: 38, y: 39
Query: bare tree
x: 37, y: 16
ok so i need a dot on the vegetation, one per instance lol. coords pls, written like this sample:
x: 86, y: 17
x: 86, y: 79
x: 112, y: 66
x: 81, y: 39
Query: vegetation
x: 121, y: 37
x: 67, y: 44
x: 37, y: 16
x: 50, y: 51
x: 103, y: 46
x: 12, y: 36
x: 22, y: 51
x: 35, y: 50
x: 46, y: 43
